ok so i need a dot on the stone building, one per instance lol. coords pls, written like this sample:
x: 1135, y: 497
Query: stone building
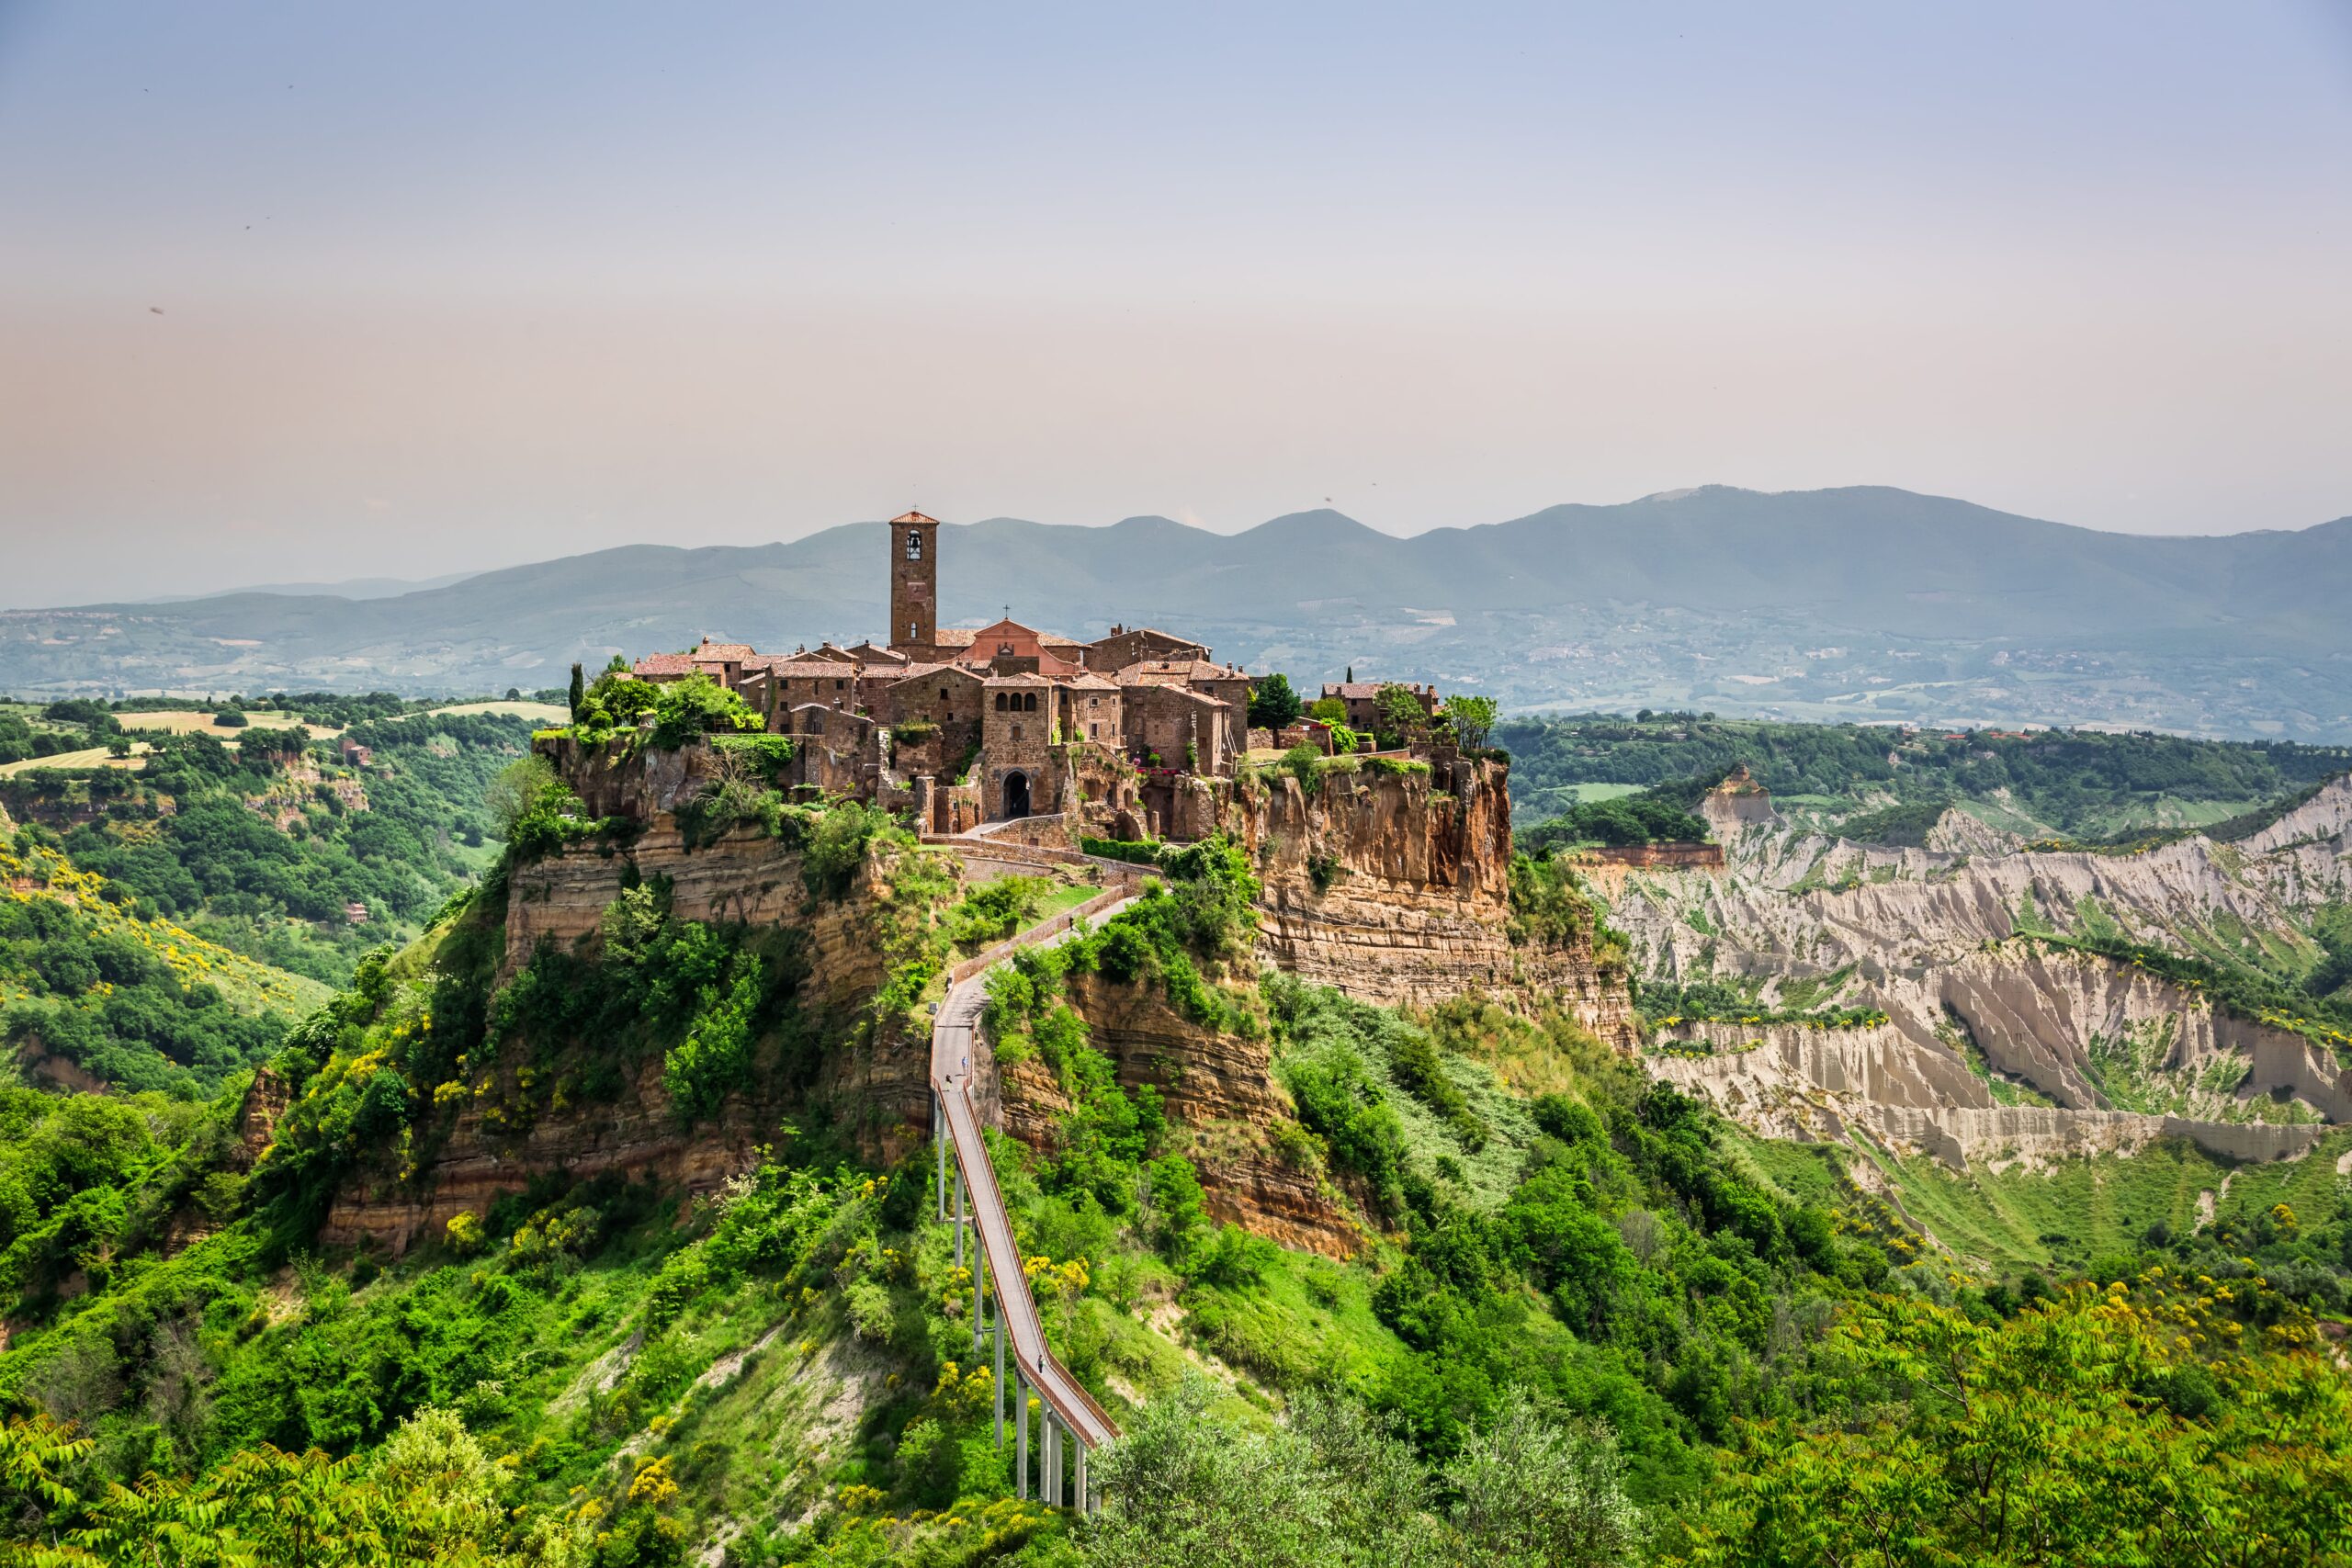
x: 1096, y: 710
x: 949, y: 697
x: 1011, y: 649
x: 776, y: 685
x: 914, y: 585
x: 1223, y: 684
x: 722, y: 662
x: 833, y: 750
x: 1018, y: 773
x: 1175, y: 726
x: 1359, y: 697
x: 1129, y: 645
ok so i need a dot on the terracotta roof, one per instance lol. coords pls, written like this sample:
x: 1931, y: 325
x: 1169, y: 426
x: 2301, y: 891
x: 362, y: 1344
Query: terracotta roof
x: 826, y: 651
x: 808, y: 668
x: 737, y: 651
x: 1180, y: 670
x: 1151, y: 631
x: 931, y: 672
x: 1347, y: 689
x: 912, y: 517
x: 1092, y: 683
x: 1186, y: 693
x: 1021, y: 680
x: 998, y: 628
x: 664, y: 664
x: 955, y: 637
x: 873, y: 655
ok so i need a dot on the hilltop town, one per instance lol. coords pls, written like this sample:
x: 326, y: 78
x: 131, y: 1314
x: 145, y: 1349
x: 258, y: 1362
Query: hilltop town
x: 971, y: 726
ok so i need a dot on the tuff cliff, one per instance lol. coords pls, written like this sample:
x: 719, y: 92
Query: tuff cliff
x: 516, y: 1122
x: 1394, y: 887
x: 1219, y: 1089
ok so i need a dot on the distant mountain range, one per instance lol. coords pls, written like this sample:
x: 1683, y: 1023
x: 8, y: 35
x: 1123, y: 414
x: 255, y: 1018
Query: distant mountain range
x: 1864, y: 602
x: 348, y: 588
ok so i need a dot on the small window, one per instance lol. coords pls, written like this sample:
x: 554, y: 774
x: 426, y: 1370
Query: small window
x: 914, y: 544
x: 1092, y: 730
x: 999, y: 702
x: 838, y: 684
x: 1016, y: 732
x: 943, y: 694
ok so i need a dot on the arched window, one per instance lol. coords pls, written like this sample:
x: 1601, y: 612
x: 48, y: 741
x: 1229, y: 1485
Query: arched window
x: 914, y: 544
x: 1029, y: 701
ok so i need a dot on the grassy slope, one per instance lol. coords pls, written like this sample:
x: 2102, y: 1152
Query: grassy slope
x: 2068, y: 1214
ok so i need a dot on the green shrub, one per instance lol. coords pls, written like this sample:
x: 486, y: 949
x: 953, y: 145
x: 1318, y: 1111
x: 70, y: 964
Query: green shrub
x: 1393, y: 767
x: 837, y: 844
x: 1547, y: 907
x: 1133, y: 852
x: 994, y: 911
x: 695, y: 705
x: 762, y: 756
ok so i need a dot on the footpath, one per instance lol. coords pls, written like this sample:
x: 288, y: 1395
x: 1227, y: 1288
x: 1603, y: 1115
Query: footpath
x: 1071, y: 1424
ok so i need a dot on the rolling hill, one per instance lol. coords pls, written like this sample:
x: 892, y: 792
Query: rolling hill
x: 1864, y: 602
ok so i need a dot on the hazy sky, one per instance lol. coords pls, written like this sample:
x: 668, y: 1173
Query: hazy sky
x: 450, y: 286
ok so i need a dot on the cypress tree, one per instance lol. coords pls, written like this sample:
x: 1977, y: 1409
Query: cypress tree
x: 579, y: 690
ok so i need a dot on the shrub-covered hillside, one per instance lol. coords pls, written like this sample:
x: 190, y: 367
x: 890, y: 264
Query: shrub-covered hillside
x: 1587, y: 1322
x: 276, y: 848
x: 2074, y: 782
x: 89, y: 986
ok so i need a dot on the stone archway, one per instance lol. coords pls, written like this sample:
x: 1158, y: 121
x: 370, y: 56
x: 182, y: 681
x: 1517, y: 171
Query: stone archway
x: 1016, y: 794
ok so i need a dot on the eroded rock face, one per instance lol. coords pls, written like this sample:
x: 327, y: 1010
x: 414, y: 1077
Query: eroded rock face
x: 1931, y: 937
x: 1907, y: 1097
x: 1393, y: 889
x: 1415, y: 907
x: 875, y: 1081
x: 744, y: 879
x: 1218, y: 1088
x: 478, y: 1163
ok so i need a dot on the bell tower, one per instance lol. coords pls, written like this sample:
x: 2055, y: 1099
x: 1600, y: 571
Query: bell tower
x: 914, y: 582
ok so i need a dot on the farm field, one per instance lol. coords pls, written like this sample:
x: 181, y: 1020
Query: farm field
x: 192, y: 721
x: 95, y: 757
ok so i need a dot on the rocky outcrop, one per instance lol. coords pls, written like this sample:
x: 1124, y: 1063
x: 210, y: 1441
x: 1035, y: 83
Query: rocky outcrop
x: 513, y: 1127
x: 1609, y: 867
x: 1394, y: 888
x: 624, y: 778
x: 1218, y: 1088
x: 265, y: 1101
x: 745, y: 878
x: 481, y: 1161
